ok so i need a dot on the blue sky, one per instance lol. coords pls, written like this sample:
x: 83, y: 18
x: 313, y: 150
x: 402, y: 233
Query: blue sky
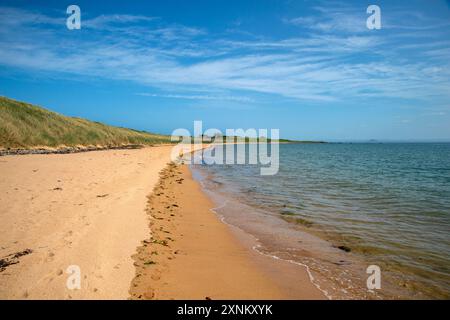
x: 310, y: 68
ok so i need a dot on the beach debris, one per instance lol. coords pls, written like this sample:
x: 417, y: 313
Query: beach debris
x: 208, y: 298
x: 161, y: 242
x: 67, y: 150
x: 161, y: 204
x: 57, y: 189
x: 342, y: 263
x: 13, y: 259
x: 344, y: 248
x: 102, y: 195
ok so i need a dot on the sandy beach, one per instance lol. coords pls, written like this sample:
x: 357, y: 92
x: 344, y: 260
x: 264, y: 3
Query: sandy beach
x: 84, y: 209
x: 191, y: 254
x: 92, y: 210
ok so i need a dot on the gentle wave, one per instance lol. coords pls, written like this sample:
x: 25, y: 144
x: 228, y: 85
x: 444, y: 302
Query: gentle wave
x: 388, y: 203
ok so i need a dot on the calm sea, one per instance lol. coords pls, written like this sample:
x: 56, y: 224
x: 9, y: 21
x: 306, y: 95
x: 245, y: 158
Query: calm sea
x: 385, y: 204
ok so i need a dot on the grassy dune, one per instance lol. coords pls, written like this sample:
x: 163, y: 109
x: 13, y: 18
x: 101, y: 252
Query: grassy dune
x: 25, y: 126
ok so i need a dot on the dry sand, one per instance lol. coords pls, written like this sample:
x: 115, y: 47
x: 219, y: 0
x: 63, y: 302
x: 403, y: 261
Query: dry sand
x: 84, y: 209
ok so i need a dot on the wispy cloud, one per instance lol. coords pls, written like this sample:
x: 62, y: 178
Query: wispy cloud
x: 336, y: 60
x: 114, y: 21
x: 14, y: 17
x: 197, y: 97
x: 329, y: 19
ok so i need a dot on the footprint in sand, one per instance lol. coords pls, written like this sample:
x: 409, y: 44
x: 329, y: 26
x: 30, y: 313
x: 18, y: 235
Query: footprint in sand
x: 149, y: 293
x: 50, y: 257
x: 156, y: 275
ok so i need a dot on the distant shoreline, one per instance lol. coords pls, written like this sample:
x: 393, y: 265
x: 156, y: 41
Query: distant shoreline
x: 64, y: 150
x: 78, y: 149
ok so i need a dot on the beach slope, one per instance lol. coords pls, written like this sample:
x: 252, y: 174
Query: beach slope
x: 191, y: 254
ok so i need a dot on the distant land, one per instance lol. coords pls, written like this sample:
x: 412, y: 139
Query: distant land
x: 25, y: 127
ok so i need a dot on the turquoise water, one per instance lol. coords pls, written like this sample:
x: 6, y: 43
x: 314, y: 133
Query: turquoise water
x: 388, y: 203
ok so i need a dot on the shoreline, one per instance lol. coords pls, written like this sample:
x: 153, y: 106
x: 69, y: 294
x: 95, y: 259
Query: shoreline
x: 192, y: 254
x: 90, y: 209
x: 70, y: 150
x: 337, y: 267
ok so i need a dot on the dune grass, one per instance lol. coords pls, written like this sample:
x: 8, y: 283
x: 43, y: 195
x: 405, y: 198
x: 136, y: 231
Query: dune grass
x: 26, y: 126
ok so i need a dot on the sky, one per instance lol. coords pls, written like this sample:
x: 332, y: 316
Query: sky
x: 311, y: 69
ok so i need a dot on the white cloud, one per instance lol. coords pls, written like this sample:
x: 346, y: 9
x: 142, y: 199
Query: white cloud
x: 198, y: 97
x: 319, y: 67
x: 109, y: 21
x: 12, y: 17
x: 333, y: 19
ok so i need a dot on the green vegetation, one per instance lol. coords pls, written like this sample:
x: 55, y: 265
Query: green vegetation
x: 25, y: 126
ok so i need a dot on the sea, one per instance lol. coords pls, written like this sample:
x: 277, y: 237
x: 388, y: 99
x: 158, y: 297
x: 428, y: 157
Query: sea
x: 343, y: 210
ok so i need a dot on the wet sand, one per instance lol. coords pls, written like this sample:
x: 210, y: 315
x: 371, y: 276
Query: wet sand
x: 191, y: 254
